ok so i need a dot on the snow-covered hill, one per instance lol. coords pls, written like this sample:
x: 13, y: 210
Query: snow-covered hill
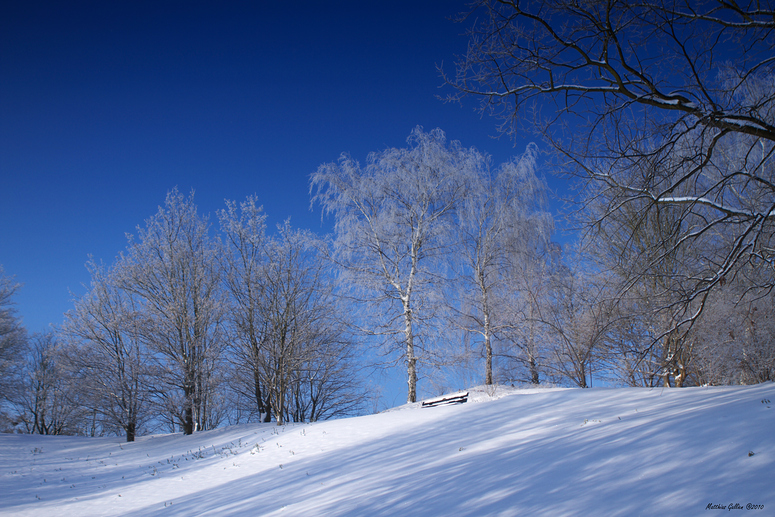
x: 511, y: 452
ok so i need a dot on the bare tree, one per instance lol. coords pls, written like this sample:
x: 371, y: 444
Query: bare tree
x: 579, y: 316
x: 641, y: 249
x: 658, y: 104
x: 12, y: 337
x: 501, y: 219
x: 172, y: 268
x: 734, y: 342
x: 307, y: 354
x: 524, y: 339
x: 393, y: 220
x: 326, y: 385
x: 46, y: 403
x: 629, y: 361
x: 106, y: 352
x: 292, y: 353
x: 244, y: 261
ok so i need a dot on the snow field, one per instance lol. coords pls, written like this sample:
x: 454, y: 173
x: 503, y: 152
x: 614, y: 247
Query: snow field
x: 505, y: 452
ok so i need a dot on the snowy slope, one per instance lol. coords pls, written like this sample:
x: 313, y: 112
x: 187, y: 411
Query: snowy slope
x: 519, y: 452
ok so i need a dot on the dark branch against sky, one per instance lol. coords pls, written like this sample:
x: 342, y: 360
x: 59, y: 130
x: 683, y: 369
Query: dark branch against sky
x: 106, y: 106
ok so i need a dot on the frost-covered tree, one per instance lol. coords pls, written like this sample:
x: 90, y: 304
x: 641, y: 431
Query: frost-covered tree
x: 524, y: 338
x: 394, y: 221
x: 106, y: 353
x: 308, y: 356
x: 501, y: 220
x: 292, y: 354
x: 734, y: 342
x: 46, y: 402
x: 244, y: 261
x: 579, y: 317
x: 172, y: 270
x: 12, y: 336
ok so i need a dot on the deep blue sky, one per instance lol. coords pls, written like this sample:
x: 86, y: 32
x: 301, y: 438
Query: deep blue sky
x: 107, y: 105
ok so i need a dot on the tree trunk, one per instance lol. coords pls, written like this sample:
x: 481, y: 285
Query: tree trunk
x: 188, y: 410
x: 411, y: 360
x: 411, y: 363
x: 257, y: 390
x: 268, y: 415
x: 188, y: 424
x: 487, y: 337
x: 534, y: 379
x: 488, y: 358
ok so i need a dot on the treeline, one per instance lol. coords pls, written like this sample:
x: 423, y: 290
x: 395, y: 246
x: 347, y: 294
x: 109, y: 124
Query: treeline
x: 439, y: 262
x: 187, y: 330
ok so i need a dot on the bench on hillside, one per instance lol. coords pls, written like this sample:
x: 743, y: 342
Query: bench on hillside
x: 458, y: 398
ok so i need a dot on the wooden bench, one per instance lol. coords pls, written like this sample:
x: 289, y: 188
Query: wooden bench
x: 458, y: 398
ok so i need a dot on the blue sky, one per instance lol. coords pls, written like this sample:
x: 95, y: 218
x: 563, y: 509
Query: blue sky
x: 106, y: 106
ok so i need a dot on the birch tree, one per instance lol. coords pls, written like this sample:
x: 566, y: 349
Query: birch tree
x: 525, y: 340
x: 393, y: 219
x: 639, y: 247
x: 500, y: 219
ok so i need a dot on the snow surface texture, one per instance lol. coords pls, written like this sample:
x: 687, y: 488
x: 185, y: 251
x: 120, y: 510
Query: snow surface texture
x: 505, y: 452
